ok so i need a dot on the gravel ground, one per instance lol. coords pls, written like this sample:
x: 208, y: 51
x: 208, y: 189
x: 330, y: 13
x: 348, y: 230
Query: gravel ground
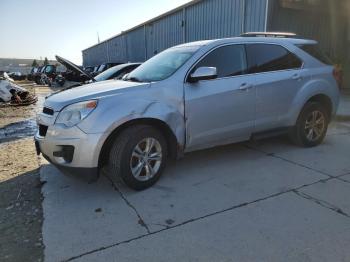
x: 20, y: 186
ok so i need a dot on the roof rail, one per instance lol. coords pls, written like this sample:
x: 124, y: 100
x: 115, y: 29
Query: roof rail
x: 269, y: 34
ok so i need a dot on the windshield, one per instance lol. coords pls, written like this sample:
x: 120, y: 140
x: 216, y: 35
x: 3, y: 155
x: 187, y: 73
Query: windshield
x: 101, y: 68
x: 108, y: 73
x: 49, y: 69
x: 162, y: 65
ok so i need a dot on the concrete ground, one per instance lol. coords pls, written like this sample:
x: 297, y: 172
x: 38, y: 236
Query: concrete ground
x: 255, y: 201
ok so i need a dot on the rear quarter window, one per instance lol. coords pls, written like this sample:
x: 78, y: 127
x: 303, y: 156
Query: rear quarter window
x: 316, y: 52
x: 271, y: 57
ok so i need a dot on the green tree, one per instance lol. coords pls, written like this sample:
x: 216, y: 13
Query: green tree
x: 35, y: 63
x: 46, y: 62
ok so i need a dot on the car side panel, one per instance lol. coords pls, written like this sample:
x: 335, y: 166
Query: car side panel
x: 218, y: 111
x: 275, y: 94
x: 321, y: 83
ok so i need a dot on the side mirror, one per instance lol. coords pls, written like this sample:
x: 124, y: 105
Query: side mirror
x: 203, y: 73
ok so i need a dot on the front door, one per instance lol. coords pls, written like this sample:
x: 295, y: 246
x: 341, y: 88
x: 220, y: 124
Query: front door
x: 221, y: 110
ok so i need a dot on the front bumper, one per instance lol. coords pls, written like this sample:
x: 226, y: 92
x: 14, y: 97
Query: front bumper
x: 84, y: 159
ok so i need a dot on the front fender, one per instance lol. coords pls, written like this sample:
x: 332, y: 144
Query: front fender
x: 110, y: 116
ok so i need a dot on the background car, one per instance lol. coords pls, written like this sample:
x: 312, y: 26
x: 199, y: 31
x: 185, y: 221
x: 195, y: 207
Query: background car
x: 103, y: 67
x: 89, y: 69
x: 83, y: 76
x: 17, y: 76
x: 117, y: 72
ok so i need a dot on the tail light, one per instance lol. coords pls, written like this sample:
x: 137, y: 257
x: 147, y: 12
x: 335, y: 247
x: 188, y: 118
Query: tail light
x: 338, y: 76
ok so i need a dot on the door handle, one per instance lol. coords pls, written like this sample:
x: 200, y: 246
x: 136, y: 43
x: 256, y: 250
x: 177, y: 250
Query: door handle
x: 245, y: 86
x: 297, y: 77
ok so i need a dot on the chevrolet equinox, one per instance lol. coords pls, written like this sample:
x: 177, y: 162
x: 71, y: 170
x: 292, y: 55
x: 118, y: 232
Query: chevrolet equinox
x: 192, y: 96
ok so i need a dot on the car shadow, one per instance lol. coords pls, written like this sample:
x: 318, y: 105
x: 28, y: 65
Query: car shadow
x: 21, y: 218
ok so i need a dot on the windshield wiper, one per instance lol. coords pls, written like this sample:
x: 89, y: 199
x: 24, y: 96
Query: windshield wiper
x: 133, y: 79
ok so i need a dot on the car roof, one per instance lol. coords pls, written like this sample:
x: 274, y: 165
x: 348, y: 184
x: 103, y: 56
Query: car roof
x: 268, y: 39
x: 122, y: 66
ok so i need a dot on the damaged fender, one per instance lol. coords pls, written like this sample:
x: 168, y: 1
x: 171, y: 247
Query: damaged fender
x: 130, y: 110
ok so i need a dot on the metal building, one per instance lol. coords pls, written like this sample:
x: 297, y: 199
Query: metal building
x: 324, y: 20
x: 197, y: 20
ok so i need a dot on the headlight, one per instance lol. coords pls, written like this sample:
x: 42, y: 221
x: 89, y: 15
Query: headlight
x: 73, y: 114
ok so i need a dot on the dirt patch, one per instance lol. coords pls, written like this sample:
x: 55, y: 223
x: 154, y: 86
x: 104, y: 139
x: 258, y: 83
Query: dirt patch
x: 12, y: 114
x: 21, y: 218
x: 20, y: 203
x: 17, y: 158
x: 20, y: 187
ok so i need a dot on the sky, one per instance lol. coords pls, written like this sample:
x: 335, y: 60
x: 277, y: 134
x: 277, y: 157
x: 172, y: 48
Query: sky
x: 43, y: 28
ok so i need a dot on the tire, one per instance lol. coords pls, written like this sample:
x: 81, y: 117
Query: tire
x: 125, y: 159
x: 310, y: 118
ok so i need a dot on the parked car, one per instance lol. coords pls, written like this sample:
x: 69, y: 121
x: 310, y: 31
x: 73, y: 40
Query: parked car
x: 115, y: 72
x: 103, y: 67
x: 48, y: 75
x: 36, y: 76
x: 189, y: 97
x: 17, y: 76
x: 89, y: 69
x: 13, y: 94
x: 44, y: 74
x: 31, y: 75
x: 73, y: 73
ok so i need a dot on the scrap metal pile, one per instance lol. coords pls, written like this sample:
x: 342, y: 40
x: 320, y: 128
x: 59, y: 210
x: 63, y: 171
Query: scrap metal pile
x: 12, y: 94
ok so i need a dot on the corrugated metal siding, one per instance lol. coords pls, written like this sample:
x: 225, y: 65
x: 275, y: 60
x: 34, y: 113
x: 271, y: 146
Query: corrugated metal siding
x: 311, y: 24
x: 212, y: 19
x: 254, y: 15
x: 116, y: 49
x: 96, y: 55
x: 164, y: 33
x: 206, y: 19
x: 135, y: 45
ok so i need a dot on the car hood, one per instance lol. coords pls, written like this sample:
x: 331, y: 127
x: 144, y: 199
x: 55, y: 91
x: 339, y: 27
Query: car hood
x: 95, y: 90
x: 73, y: 67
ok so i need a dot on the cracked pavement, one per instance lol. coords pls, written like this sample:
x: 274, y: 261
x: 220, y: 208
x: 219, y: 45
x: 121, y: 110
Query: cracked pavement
x: 255, y: 201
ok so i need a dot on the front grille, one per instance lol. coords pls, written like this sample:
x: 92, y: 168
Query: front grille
x: 42, y: 130
x: 48, y: 111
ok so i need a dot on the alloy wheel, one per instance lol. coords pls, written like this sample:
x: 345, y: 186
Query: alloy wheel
x: 315, y: 125
x: 146, y: 159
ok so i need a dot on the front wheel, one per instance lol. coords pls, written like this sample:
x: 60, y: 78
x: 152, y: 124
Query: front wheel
x: 311, y: 127
x: 138, y: 156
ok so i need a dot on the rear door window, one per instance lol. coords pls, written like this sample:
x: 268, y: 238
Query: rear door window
x: 270, y: 57
x: 229, y: 60
x: 315, y: 51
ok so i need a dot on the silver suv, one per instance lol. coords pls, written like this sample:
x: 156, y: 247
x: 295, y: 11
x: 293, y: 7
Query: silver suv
x: 189, y: 97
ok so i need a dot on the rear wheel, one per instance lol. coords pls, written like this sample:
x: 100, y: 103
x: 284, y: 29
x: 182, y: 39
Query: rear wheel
x: 311, y: 127
x: 138, y: 156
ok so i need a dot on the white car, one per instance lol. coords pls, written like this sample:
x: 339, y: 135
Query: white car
x: 6, y: 85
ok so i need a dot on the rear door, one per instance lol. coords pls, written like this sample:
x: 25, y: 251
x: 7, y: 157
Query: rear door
x: 220, y: 110
x: 278, y: 77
